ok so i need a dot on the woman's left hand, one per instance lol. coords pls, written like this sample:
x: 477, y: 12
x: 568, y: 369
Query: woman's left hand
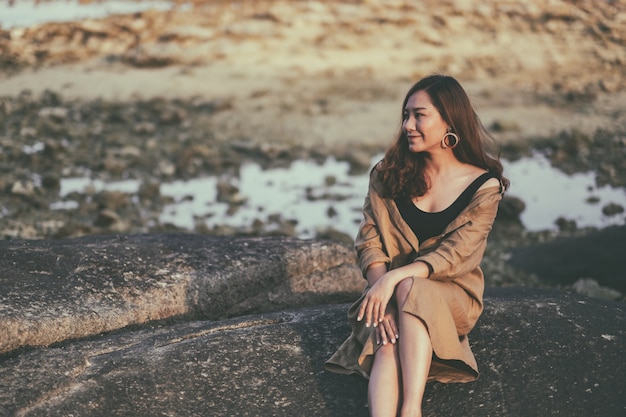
x: 375, y: 302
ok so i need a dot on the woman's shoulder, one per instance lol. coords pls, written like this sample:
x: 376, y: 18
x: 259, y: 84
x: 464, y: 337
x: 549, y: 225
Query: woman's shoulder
x: 491, y: 182
x: 474, y: 173
x: 378, y: 166
x: 376, y: 173
x: 467, y: 174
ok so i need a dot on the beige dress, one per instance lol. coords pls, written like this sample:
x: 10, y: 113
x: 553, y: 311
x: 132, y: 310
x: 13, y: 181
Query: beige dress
x: 449, y: 301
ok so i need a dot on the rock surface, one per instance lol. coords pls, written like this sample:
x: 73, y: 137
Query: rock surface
x: 53, y: 290
x: 540, y: 353
x: 597, y: 255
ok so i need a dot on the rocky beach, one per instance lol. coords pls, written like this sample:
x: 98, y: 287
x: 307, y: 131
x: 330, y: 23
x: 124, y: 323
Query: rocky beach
x: 180, y: 182
x: 203, y: 87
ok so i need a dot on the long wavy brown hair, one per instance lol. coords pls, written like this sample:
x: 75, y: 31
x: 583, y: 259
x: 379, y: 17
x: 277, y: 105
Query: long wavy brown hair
x: 402, y: 172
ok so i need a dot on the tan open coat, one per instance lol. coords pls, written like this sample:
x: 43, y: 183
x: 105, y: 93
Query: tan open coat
x: 449, y: 301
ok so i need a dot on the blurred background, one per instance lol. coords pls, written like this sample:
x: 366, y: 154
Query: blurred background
x: 263, y: 117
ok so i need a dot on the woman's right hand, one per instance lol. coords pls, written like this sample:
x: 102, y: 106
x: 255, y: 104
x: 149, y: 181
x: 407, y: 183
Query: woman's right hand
x: 374, y: 304
x: 387, y: 330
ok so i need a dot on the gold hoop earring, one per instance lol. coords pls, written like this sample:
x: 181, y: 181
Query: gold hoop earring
x: 449, y: 140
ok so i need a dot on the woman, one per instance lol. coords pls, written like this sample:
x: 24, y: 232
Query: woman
x: 430, y: 206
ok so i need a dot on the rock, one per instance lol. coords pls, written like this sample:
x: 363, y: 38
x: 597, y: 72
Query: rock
x: 539, y: 352
x: 510, y: 209
x: 57, y: 113
x: 149, y: 190
x: 360, y: 162
x: 28, y: 132
x: 336, y: 235
x: 25, y: 188
x: 114, y: 165
x: 574, y: 151
x: 508, y: 225
x: 504, y: 126
x: 113, y: 200
x: 144, y: 128
x: 566, y: 225
x: 612, y: 209
x: 173, y: 116
x: 51, y: 182
x: 107, y: 218
x: 226, y: 191
x: 597, y: 255
x: 590, y: 288
x: 54, y: 290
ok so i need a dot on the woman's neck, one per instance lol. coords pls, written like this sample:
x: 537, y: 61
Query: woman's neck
x: 441, y: 164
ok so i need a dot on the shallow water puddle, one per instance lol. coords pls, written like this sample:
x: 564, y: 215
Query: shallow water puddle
x: 24, y: 13
x: 550, y: 194
x: 322, y: 196
x: 317, y: 196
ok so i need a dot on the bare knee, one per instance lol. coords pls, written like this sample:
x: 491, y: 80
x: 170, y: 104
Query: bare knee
x: 403, y: 289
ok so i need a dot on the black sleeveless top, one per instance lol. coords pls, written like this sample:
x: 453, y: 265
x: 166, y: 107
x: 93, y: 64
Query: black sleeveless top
x: 426, y: 225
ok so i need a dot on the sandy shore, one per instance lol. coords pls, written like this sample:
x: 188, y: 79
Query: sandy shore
x: 334, y: 72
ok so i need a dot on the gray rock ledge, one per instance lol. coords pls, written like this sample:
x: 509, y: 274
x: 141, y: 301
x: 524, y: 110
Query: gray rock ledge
x: 540, y: 353
x: 54, y: 290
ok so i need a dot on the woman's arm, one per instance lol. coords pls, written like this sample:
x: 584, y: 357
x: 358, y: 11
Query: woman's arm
x: 374, y: 272
x: 382, y: 286
x: 368, y: 243
x: 457, y: 254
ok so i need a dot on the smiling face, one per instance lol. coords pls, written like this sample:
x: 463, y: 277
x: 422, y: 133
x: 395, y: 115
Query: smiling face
x: 422, y: 124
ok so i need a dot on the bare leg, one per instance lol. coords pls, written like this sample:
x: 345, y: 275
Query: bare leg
x: 415, y: 355
x: 384, y: 385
